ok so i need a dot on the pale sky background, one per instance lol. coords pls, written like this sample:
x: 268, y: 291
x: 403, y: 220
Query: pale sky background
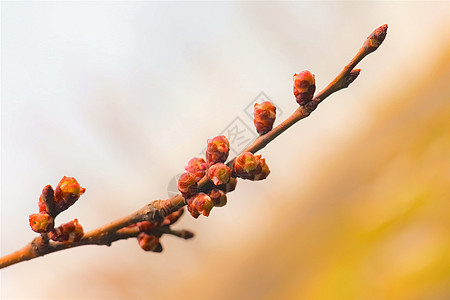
x: 120, y: 95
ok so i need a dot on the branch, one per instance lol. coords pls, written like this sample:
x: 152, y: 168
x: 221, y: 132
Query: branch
x: 157, y: 210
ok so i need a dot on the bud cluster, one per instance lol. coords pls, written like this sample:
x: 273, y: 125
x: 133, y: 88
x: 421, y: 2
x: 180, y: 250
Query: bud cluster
x: 201, y: 199
x: 213, y: 168
x: 51, y: 203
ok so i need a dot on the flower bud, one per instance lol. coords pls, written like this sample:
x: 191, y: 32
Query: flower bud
x: 69, y: 232
x: 217, y: 150
x: 265, y: 114
x: 196, y: 166
x: 187, y: 184
x: 375, y: 39
x: 250, y: 166
x: 41, y: 222
x: 264, y: 170
x: 146, y: 226
x: 228, y: 187
x: 219, y: 173
x: 149, y: 242
x: 200, y: 204
x: 67, y: 193
x: 173, y: 217
x: 304, y: 87
x: 218, y: 197
x: 245, y: 165
x: 47, y: 200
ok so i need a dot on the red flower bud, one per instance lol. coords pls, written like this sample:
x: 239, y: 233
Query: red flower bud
x: 219, y: 173
x: 264, y: 170
x: 146, y: 226
x: 218, y: 197
x: 375, y: 39
x: 41, y: 222
x: 149, y: 242
x: 173, y: 217
x: 200, y: 204
x: 304, y: 87
x: 67, y: 193
x: 230, y: 186
x: 217, y: 150
x: 265, y: 114
x: 250, y: 166
x: 245, y: 165
x: 68, y: 232
x: 47, y: 200
x: 196, y: 166
x: 187, y: 184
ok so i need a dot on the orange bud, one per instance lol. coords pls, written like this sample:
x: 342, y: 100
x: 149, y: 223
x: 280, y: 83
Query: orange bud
x: 41, y: 222
x: 245, y: 164
x: 265, y: 114
x: 217, y: 150
x: 304, y: 87
x: 196, y: 166
x: 264, y: 171
x: 68, y: 232
x: 47, y: 200
x: 218, y: 197
x: 67, y: 193
x: 219, y: 173
x: 250, y: 166
x: 200, y: 204
x: 149, y: 242
x: 187, y: 184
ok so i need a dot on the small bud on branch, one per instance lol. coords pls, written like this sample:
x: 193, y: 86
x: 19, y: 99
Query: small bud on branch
x: 217, y: 150
x: 219, y: 173
x: 69, y: 232
x: 265, y: 114
x: 41, y: 222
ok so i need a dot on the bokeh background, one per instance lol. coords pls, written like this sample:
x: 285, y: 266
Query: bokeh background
x: 121, y: 94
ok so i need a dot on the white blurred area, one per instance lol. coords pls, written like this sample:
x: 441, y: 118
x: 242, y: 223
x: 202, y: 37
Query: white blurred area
x: 120, y: 95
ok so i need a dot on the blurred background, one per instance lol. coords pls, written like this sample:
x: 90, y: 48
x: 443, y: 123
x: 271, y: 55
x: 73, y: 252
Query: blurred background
x: 120, y: 95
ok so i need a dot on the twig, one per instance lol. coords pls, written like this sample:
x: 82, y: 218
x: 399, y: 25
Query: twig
x: 157, y: 210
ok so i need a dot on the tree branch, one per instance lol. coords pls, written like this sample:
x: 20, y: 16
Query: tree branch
x: 157, y: 210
